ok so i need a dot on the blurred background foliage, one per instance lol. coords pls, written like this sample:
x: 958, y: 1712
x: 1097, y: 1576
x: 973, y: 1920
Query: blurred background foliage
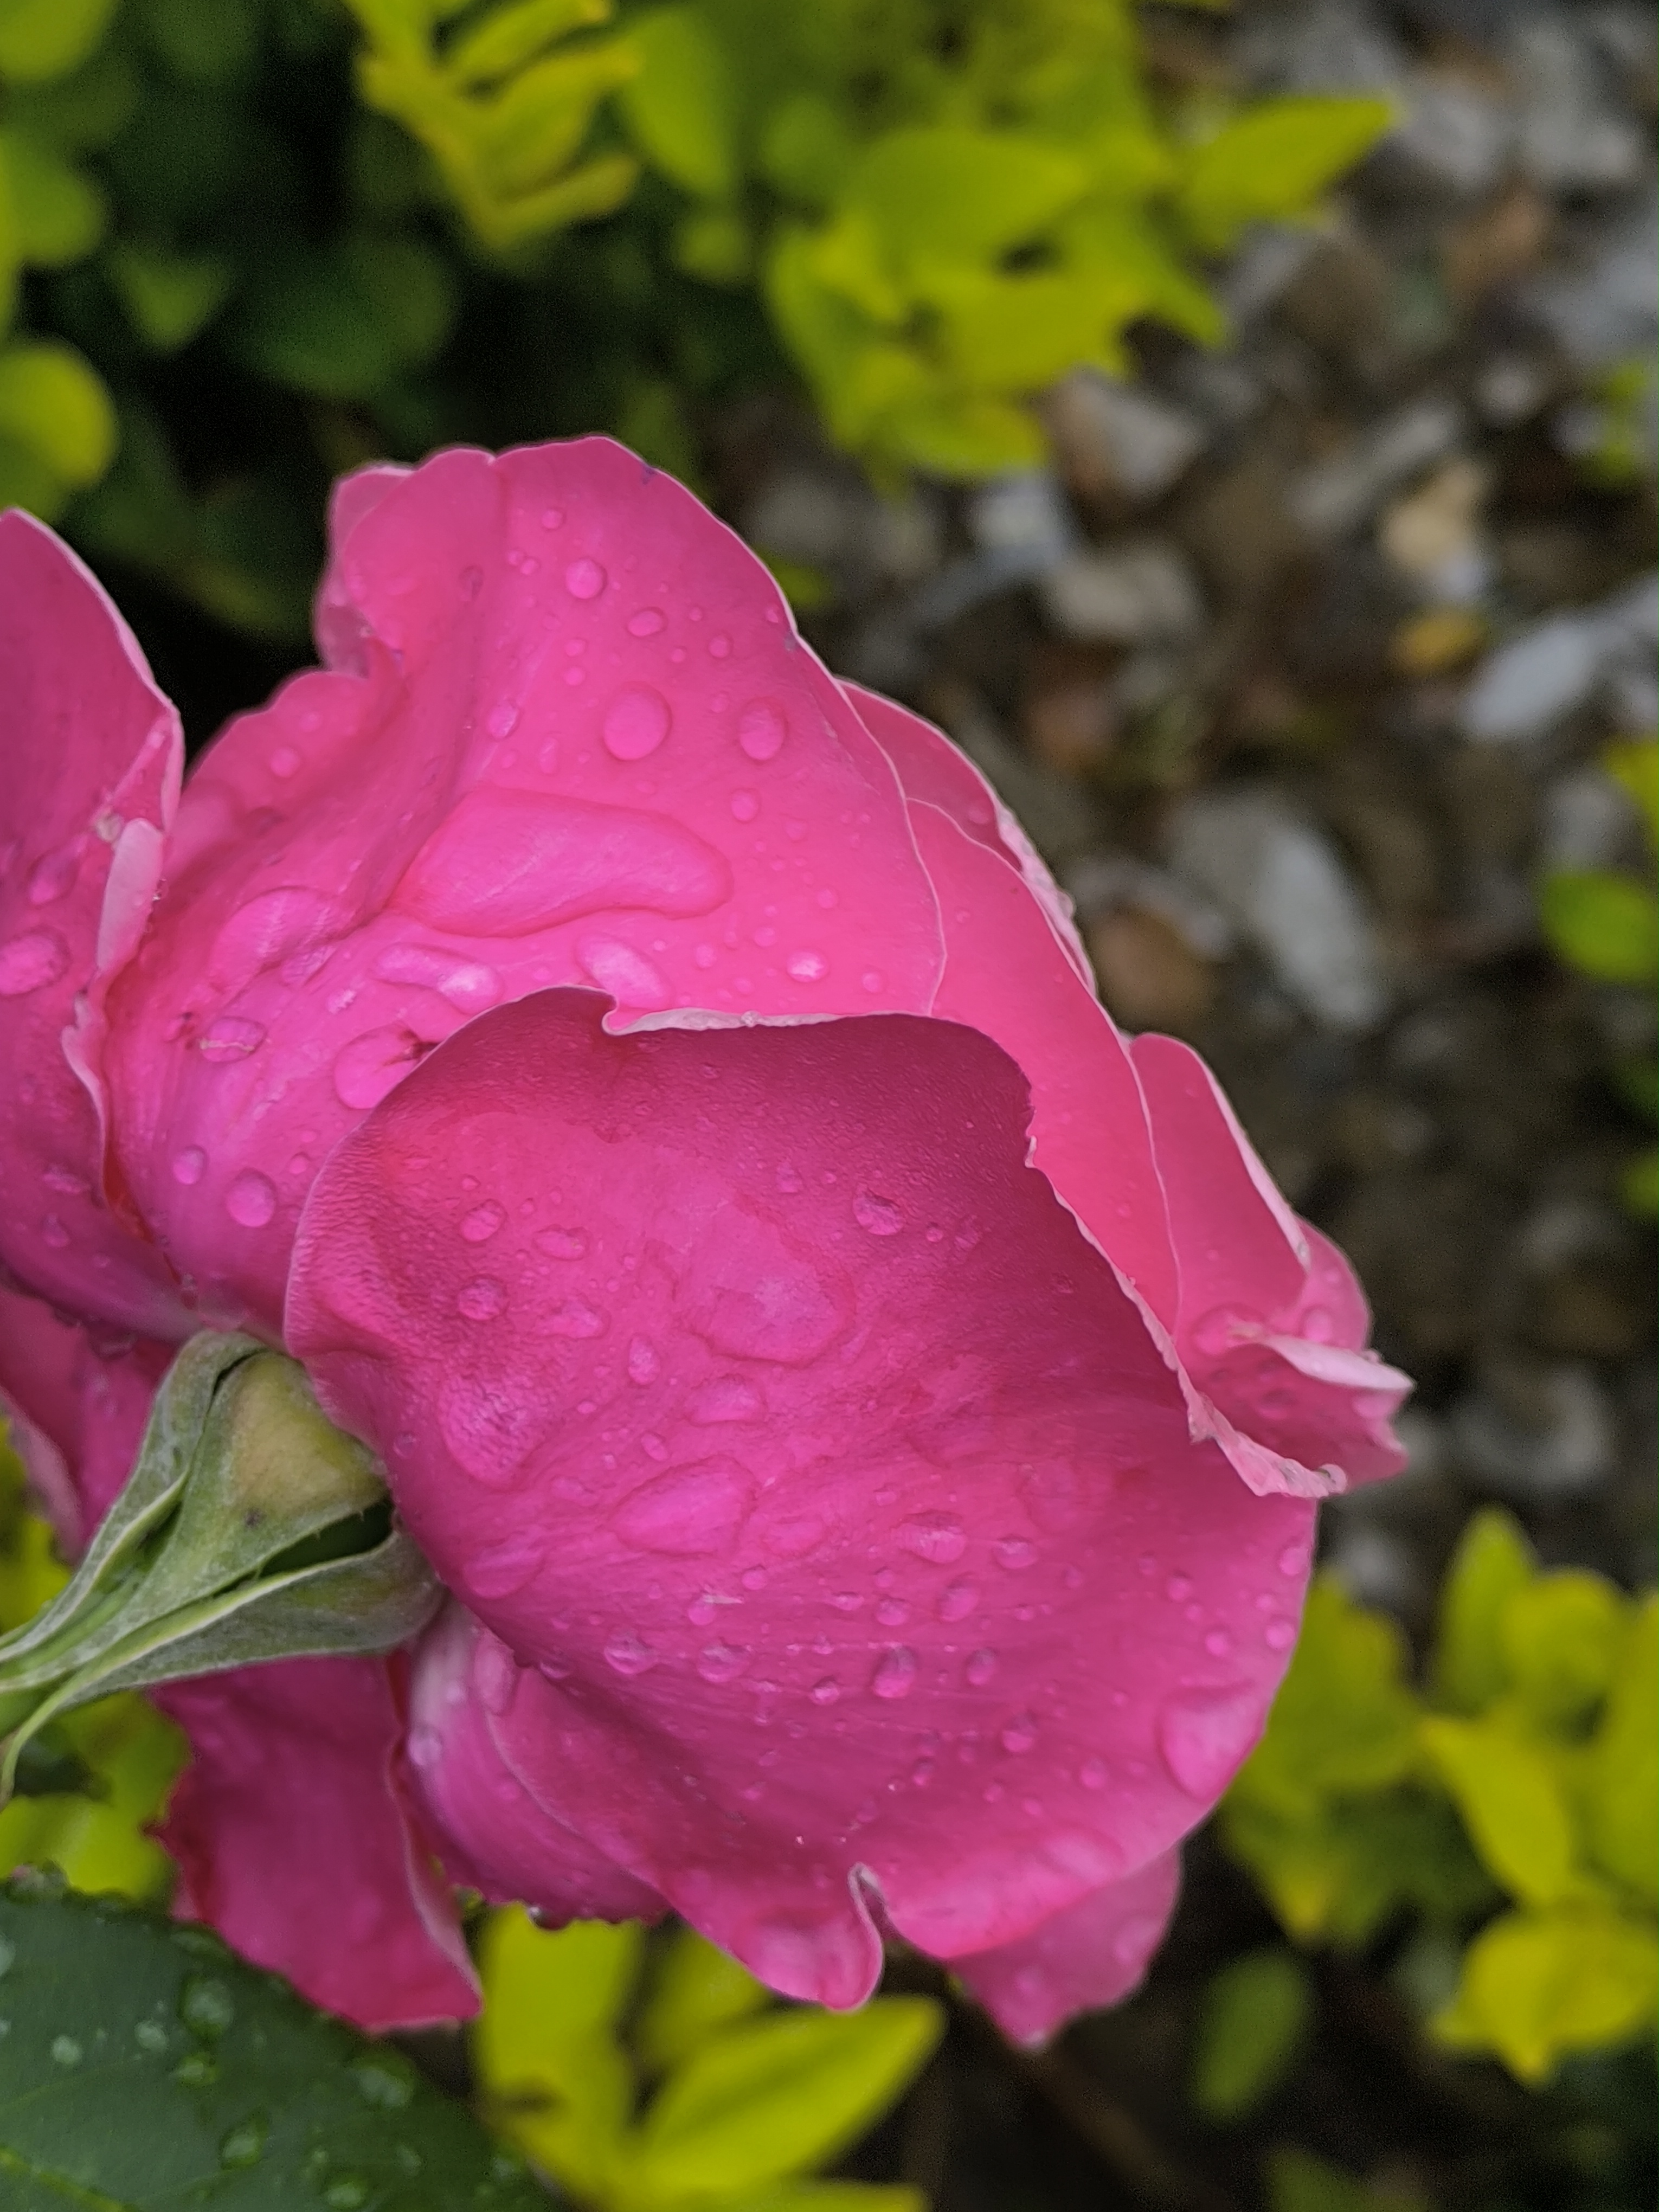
x: 248, y: 244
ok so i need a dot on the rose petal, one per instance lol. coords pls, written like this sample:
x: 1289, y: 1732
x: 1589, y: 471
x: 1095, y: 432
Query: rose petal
x: 494, y: 1835
x: 826, y: 1479
x: 92, y: 778
x: 291, y: 1840
x: 582, y: 745
x: 1093, y: 1954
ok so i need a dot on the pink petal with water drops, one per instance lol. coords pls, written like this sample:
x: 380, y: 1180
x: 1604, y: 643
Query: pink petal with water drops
x: 933, y: 770
x: 77, y: 1407
x: 293, y: 1842
x: 1006, y: 974
x: 92, y: 755
x: 1272, y: 1323
x: 571, y: 738
x: 492, y: 1835
x: 829, y: 1486
x: 1092, y: 1956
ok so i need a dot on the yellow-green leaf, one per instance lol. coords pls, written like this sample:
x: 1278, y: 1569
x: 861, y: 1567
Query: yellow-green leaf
x: 1493, y: 1562
x: 1606, y: 925
x: 1257, y: 2013
x: 54, y: 403
x: 170, y: 297
x: 1622, y: 1781
x: 41, y: 38
x: 681, y: 108
x: 58, y: 212
x: 1512, y: 1806
x: 1561, y: 1637
x: 1536, y: 1986
x: 696, y: 1991
x: 507, y: 39
x: 1273, y: 160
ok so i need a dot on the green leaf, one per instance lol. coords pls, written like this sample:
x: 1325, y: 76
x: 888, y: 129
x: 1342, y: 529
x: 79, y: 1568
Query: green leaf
x: 1538, y: 1984
x: 1494, y: 1561
x: 58, y: 213
x: 946, y: 194
x: 203, y: 41
x: 1622, y: 1777
x: 169, y: 297
x: 41, y: 38
x: 1257, y: 2013
x: 770, y: 2098
x: 146, y: 2066
x: 1273, y: 160
x: 98, y: 1842
x: 1512, y: 1806
x: 1606, y: 925
x: 1634, y: 763
x: 52, y: 402
x: 1299, y: 2182
x: 696, y: 1991
x: 1344, y: 1718
x: 511, y: 37
x: 682, y: 106
x: 1339, y: 1872
x: 830, y: 2196
x: 1561, y: 1637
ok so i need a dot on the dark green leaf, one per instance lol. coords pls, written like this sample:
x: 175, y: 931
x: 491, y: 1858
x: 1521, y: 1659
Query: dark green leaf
x: 143, y: 2066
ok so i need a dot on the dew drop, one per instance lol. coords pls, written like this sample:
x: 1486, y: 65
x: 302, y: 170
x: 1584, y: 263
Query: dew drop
x: 646, y: 623
x: 384, y: 2082
x: 585, y: 578
x: 1218, y: 1644
x: 188, y: 1166
x: 981, y: 1668
x: 937, y: 1537
x: 481, y: 1224
x: 500, y: 1569
x: 789, y: 1179
x: 1221, y: 1328
x: 574, y: 1318
x: 494, y: 1674
x: 149, y: 2035
x: 825, y: 1691
x: 66, y: 2051
x: 30, y: 962
x: 491, y: 1428
x: 1204, y: 1733
x: 879, y: 1216
x: 762, y: 729
x: 502, y: 719
x: 552, y: 518
x: 467, y: 984
x: 807, y: 968
x: 51, y: 879
x: 1178, y: 1589
x: 719, y: 645
x: 1279, y: 1635
x: 1092, y: 1774
x: 724, y: 1398
x: 746, y: 805
x: 373, y: 1064
x: 958, y: 1598
x: 348, y: 2194
x: 1020, y: 1734
x: 206, y: 2006
x: 230, y: 1038
x: 626, y: 1653
x: 630, y: 978
x: 892, y: 1612
x: 896, y: 1672
x: 722, y: 1663
x: 1317, y: 1325
x: 635, y: 722
x: 562, y: 1244
x: 481, y: 1299
x: 1015, y: 1554
x: 1293, y: 1561
x: 643, y: 1364
x: 251, y: 1199
x: 425, y: 1746
x: 688, y: 1512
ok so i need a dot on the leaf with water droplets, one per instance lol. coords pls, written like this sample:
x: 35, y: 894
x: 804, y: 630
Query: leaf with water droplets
x: 147, y: 2066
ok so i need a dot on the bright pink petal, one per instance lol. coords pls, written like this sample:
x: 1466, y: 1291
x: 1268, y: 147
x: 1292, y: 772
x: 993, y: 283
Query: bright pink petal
x: 751, y: 1386
x: 1004, y: 975
x: 77, y: 1408
x: 494, y: 1835
x: 92, y: 753
x: 1272, y: 1323
x: 291, y: 1840
x: 1083, y: 1958
x: 940, y: 773
x: 585, y: 746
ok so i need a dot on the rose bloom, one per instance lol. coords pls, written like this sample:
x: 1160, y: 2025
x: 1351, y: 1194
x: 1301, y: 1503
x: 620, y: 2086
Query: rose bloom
x: 869, y: 1415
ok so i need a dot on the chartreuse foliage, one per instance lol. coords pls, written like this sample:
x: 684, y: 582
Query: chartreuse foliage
x: 741, y: 2097
x: 1607, y: 926
x: 143, y: 2066
x: 946, y: 204
x: 57, y: 422
x: 1518, y: 1798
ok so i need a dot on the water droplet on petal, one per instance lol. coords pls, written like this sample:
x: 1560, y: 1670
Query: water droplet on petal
x: 1178, y: 1589
x: 481, y: 1299
x: 630, y: 978
x: 825, y: 1691
x: 230, y: 1038
x: 492, y: 1427
x: 746, y: 805
x: 251, y: 1199
x: 51, y: 879
x: 646, y: 621
x: 562, y: 1244
x: 1015, y: 1554
x: 789, y: 1179
x: 892, y: 1612
x: 494, y: 1674
x: 1218, y: 1644
x: 1293, y: 1561
x: 626, y: 1653
x: 939, y: 1537
x: 1020, y: 1734
x: 1203, y: 1736
x: 762, y: 729
x: 189, y: 1165
x: 958, y: 1598
x: 1221, y: 1328
x: 807, y: 967
x: 722, y: 1663
x: 1279, y: 1635
x: 1092, y: 1774
x: 425, y: 1747
x: 896, y: 1672
x: 981, y: 1667
x: 467, y: 984
x: 30, y: 962
x: 502, y: 719
x: 724, y: 1398
x: 643, y: 1364
x: 498, y: 1570
x: 574, y: 1318
x: 585, y: 578
x: 481, y: 1224
x: 635, y: 722
x: 689, y: 1512
x: 376, y: 1063
x: 879, y: 1216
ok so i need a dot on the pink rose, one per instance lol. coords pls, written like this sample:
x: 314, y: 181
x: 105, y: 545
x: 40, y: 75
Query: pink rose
x: 869, y: 1413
